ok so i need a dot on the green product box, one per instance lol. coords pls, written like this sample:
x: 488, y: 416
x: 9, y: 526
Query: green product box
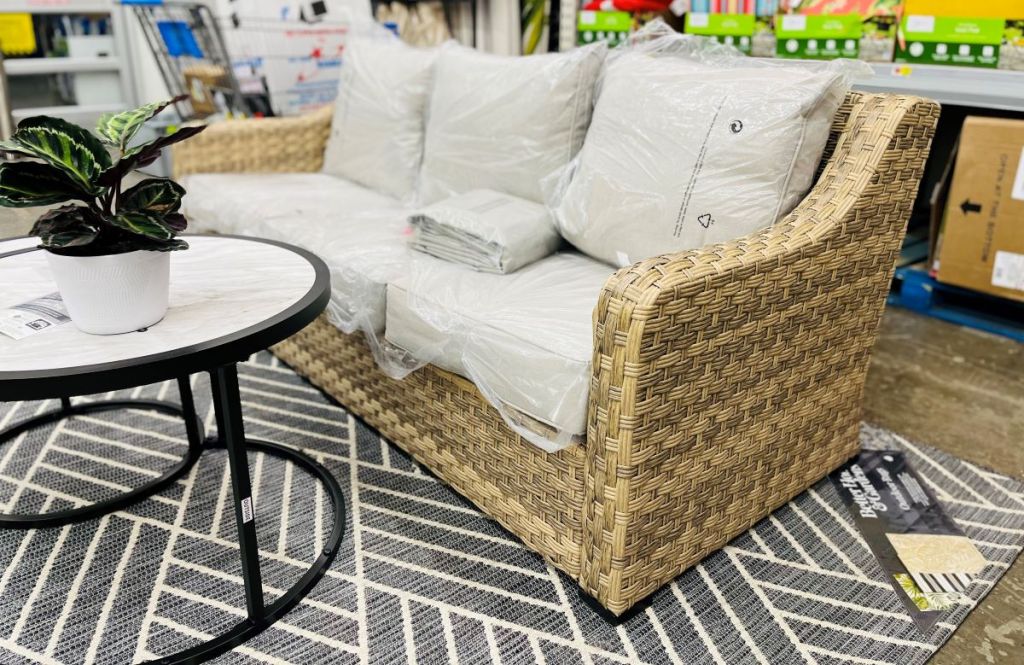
x: 818, y: 37
x: 595, y: 26
x: 946, y: 40
x: 732, y: 29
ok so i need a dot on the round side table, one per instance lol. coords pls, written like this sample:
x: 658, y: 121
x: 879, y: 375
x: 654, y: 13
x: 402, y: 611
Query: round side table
x: 230, y: 297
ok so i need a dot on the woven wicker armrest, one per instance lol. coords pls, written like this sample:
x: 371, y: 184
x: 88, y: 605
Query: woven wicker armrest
x: 728, y: 379
x: 278, y: 145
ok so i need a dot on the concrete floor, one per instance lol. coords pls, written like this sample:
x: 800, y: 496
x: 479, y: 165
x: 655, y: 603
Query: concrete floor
x: 962, y: 391
x: 951, y: 387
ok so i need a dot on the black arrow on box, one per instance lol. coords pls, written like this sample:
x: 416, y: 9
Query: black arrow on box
x: 967, y: 206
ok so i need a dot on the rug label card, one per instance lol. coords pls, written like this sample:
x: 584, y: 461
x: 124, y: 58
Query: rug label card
x: 927, y: 558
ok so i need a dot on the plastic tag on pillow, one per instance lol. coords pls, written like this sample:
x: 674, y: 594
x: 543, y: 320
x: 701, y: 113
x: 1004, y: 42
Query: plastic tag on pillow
x: 34, y: 316
x: 622, y: 259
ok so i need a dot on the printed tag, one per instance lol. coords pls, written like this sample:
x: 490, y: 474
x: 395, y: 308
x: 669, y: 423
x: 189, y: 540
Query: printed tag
x: 35, y: 316
x: 927, y: 558
x: 1018, y: 181
x: 918, y: 23
x: 794, y: 22
x: 698, y: 20
x: 247, y: 510
x: 1008, y: 270
x: 588, y: 18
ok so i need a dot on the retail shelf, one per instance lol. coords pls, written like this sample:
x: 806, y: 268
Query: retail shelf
x: 73, y: 112
x: 57, y: 6
x: 956, y: 86
x: 28, y: 66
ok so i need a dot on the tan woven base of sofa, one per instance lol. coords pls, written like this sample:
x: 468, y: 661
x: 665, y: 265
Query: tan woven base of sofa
x: 444, y: 422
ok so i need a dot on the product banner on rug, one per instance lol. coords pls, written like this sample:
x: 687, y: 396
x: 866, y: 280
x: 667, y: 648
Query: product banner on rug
x: 927, y: 558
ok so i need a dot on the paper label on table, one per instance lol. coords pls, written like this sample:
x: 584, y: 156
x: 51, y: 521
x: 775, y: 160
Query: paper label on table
x: 924, y: 554
x: 34, y: 316
x: 1008, y: 270
x: 247, y: 510
x: 1018, y: 181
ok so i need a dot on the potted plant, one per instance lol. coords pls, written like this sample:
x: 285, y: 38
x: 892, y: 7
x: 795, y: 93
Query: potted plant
x: 107, y: 247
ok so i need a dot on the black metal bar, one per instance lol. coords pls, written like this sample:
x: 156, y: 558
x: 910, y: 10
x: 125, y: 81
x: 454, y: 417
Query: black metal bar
x: 193, y: 425
x: 65, y: 403
x: 231, y: 432
x: 121, y: 501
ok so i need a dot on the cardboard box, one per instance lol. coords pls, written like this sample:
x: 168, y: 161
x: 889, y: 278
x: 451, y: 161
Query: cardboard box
x: 981, y: 240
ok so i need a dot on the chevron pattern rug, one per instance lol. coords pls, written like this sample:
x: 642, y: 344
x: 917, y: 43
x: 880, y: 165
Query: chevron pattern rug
x: 422, y: 576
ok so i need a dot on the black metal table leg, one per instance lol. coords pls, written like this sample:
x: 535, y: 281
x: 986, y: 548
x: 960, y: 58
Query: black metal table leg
x: 231, y: 436
x: 193, y: 428
x: 231, y: 431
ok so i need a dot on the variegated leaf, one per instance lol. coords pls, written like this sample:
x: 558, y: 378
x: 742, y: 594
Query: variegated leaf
x: 142, y: 223
x: 66, y: 227
x: 119, y: 129
x: 157, y: 195
x: 145, y: 154
x: 26, y: 184
x: 62, y: 145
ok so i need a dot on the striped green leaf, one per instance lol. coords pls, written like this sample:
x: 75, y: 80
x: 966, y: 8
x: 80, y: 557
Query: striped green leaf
x: 66, y: 227
x: 145, y: 154
x: 142, y: 223
x: 26, y: 184
x: 65, y: 146
x: 118, y: 129
x: 157, y: 195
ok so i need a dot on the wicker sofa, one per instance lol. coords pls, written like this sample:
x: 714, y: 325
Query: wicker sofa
x: 725, y: 380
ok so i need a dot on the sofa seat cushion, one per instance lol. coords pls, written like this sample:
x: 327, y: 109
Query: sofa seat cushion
x: 361, y: 235
x: 524, y: 338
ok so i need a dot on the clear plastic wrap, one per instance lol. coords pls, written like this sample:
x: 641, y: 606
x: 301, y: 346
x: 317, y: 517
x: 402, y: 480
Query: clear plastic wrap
x: 485, y: 230
x: 377, y: 132
x: 692, y: 143
x: 525, y: 339
x: 503, y: 123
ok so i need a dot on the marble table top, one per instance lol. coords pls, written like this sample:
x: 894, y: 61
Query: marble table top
x: 219, y: 288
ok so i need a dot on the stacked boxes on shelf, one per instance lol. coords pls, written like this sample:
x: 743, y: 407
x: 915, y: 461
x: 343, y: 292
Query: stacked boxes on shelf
x: 824, y: 29
x: 951, y: 32
x: 745, y: 24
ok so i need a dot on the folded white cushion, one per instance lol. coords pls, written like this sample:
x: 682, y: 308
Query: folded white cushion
x: 503, y: 123
x: 377, y: 133
x: 681, y: 154
x: 485, y: 230
x: 525, y: 339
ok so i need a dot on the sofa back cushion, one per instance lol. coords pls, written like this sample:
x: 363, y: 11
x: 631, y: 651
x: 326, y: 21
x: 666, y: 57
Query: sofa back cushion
x: 377, y: 133
x: 505, y: 122
x: 682, y: 154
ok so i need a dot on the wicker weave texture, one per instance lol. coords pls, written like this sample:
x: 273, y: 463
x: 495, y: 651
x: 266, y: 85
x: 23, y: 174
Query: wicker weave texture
x: 444, y: 422
x: 268, y: 145
x: 726, y: 380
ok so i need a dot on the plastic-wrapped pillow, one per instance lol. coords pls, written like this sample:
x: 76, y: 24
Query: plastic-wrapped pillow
x: 377, y: 133
x: 691, y: 145
x: 502, y: 122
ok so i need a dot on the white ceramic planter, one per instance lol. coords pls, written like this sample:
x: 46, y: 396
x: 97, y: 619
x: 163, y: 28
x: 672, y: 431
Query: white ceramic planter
x: 115, y: 293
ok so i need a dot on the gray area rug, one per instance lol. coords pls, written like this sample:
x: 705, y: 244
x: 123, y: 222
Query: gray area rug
x: 422, y: 576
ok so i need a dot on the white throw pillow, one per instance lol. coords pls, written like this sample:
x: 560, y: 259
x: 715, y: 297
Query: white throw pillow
x: 682, y: 154
x: 377, y: 132
x: 504, y: 122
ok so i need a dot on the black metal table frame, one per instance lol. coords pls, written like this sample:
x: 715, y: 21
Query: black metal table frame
x: 231, y: 437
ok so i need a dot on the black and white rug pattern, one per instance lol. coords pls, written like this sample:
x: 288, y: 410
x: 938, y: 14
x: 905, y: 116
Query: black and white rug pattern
x: 422, y: 576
